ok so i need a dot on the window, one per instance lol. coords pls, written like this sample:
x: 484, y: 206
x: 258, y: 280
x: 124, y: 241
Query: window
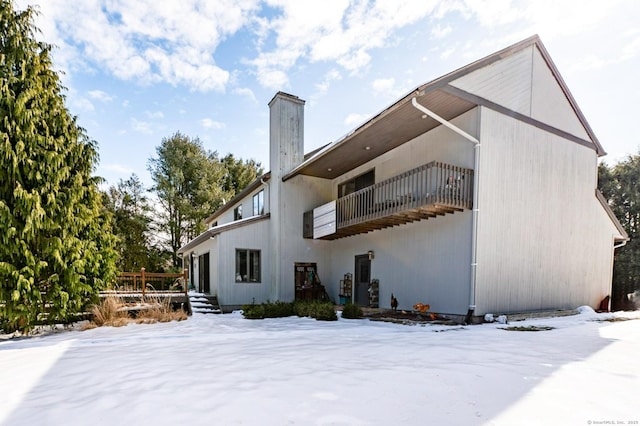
x: 357, y: 183
x: 237, y: 213
x: 258, y: 203
x: 247, y: 266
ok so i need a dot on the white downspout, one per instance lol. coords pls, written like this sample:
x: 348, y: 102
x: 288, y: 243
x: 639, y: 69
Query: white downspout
x: 623, y: 243
x: 474, y: 211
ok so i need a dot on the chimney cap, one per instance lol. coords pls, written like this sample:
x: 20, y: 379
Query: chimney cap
x: 286, y: 96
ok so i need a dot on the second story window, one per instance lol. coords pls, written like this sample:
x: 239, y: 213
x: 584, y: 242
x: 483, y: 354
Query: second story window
x: 258, y: 203
x: 237, y: 213
x: 357, y: 183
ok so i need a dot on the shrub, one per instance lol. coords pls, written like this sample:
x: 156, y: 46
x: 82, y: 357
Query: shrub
x: 253, y: 311
x: 323, y: 311
x: 302, y: 309
x: 278, y: 309
x: 319, y: 310
x: 352, y: 311
x: 108, y: 312
x: 160, y: 310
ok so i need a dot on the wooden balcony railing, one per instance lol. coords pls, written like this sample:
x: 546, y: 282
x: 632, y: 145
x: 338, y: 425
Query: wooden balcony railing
x: 432, y: 189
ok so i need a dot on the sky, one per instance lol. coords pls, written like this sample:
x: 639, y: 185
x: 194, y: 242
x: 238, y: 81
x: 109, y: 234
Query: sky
x: 223, y: 369
x: 138, y: 71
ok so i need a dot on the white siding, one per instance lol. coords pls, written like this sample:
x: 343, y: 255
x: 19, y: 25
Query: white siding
x: 506, y: 82
x: 299, y: 194
x: 247, y: 206
x: 549, y: 104
x: 427, y: 261
x: 543, y: 238
x: 254, y: 236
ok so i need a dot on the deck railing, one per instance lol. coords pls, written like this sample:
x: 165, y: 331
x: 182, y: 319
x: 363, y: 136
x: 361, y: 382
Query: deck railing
x: 151, y: 282
x: 434, y: 183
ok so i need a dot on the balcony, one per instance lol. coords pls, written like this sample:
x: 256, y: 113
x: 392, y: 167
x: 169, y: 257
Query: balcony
x: 431, y: 190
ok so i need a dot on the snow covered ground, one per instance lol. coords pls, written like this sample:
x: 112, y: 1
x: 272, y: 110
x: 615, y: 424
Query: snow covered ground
x: 223, y: 369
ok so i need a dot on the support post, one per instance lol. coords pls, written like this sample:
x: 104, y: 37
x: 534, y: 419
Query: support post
x: 144, y: 284
x: 185, y: 276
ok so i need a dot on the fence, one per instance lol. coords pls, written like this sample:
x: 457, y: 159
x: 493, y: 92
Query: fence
x: 151, y: 282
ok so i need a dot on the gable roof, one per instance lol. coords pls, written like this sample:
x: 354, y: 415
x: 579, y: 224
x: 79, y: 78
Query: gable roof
x: 398, y: 123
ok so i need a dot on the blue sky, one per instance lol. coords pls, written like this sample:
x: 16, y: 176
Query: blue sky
x: 138, y: 71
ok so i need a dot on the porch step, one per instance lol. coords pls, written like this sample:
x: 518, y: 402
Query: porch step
x: 204, y: 304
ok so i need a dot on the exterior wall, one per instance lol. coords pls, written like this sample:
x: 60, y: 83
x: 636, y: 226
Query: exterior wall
x: 255, y: 236
x: 427, y: 261
x: 523, y: 82
x: 549, y: 104
x: 506, y: 82
x: 247, y: 206
x: 210, y: 246
x: 299, y: 194
x: 544, y: 241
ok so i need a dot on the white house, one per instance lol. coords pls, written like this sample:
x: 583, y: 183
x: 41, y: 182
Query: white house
x: 475, y: 193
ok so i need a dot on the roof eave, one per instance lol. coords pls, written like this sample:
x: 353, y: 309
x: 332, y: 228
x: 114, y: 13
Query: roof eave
x: 249, y: 188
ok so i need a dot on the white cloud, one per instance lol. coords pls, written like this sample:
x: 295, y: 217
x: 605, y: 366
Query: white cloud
x: 447, y: 52
x: 154, y: 115
x: 631, y: 49
x: 78, y: 102
x: 99, y: 95
x: 354, y: 119
x: 329, y: 77
x: 141, y: 126
x: 384, y: 86
x: 146, y: 40
x: 212, y: 124
x: 339, y: 31
x: 244, y: 91
x: 439, y: 32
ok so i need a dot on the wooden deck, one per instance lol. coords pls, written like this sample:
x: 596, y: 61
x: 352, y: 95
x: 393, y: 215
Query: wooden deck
x: 147, y: 283
x: 431, y: 190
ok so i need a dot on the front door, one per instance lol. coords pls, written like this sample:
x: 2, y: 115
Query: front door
x: 362, y: 278
x: 203, y: 273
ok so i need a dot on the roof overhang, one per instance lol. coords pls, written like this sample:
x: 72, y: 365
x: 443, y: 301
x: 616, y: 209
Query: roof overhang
x: 394, y: 126
x: 212, y: 232
x: 622, y: 236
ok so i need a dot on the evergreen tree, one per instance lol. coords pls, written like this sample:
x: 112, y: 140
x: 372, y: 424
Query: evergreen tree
x: 620, y: 185
x: 132, y: 224
x: 56, y: 245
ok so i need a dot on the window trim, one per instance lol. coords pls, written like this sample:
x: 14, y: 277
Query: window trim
x: 237, y: 212
x: 251, y: 268
x: 259, y: 197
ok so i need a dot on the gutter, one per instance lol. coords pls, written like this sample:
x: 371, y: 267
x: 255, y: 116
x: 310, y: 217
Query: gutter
x: 474, y: 211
